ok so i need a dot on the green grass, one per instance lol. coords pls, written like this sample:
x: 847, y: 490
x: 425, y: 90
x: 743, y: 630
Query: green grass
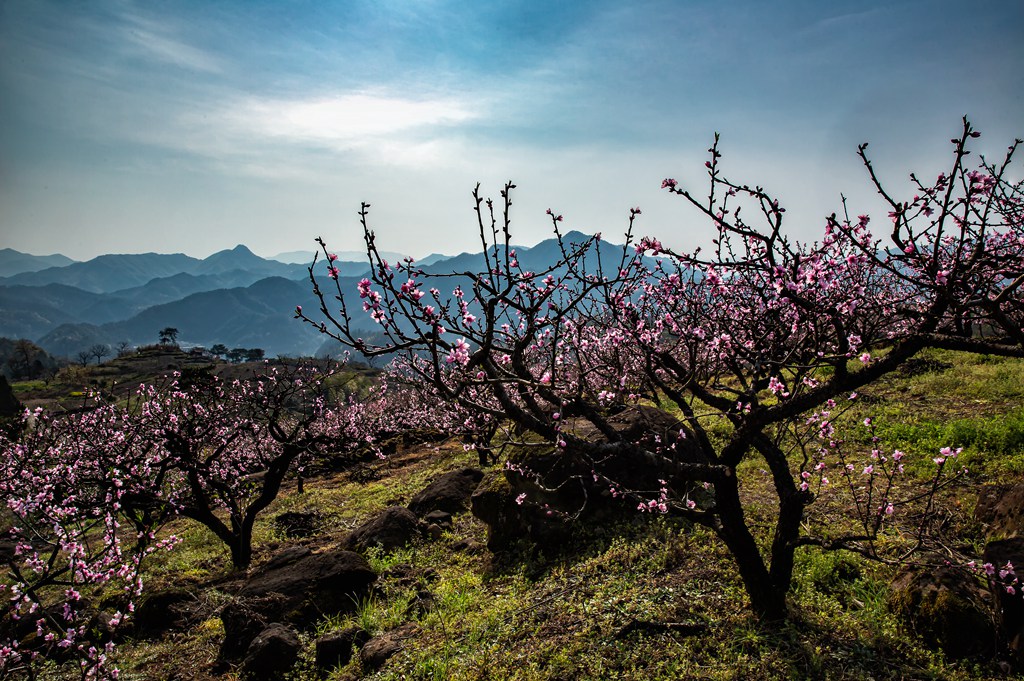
x: 975, y: 402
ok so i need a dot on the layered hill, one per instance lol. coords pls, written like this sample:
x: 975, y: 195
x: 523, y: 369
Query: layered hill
x: 233, y: 297
x: 15, y: 262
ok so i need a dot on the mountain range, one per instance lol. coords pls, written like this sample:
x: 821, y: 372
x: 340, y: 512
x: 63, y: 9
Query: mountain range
x: 233, y: 297
x: 15, y: 262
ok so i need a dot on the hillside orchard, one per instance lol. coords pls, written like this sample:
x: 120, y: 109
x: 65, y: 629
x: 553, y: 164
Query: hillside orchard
x: 767, y: 335
x: 758, y: 345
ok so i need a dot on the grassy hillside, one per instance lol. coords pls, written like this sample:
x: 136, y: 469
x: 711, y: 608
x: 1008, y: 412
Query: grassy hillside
x: 647, y: 598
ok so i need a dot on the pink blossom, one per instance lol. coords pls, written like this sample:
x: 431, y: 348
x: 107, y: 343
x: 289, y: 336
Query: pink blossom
x: 459, y: 353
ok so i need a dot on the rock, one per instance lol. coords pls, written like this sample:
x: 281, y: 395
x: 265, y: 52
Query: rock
x: 391, y: 529
x: 515, y: 508
x: 435, y: 532
x: 470, y: 546
x: 286, y: 557
x: 450, y: 492
x: 243, y: 621
x: 495, y: 502
x: 314, y: 584
x: 1000, y: 510
x: 106, y: 626
x: 297, y: 524
x: 297, y: 592
x: 161, y: 611
x: 440, y: 518
x: 1009, y: 607
x: 947, y: 607
x: 335, y: 649
x: 273, y: 652
x: 380, y: 649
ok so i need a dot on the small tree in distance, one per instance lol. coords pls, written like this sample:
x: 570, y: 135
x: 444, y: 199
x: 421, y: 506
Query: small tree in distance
x: 99, y: 351
x: 168, y: 336
x: 24, y: 360
x: 765, y: 335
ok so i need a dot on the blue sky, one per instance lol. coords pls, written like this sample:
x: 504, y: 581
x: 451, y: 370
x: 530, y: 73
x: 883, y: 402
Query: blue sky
x: 194, y: 126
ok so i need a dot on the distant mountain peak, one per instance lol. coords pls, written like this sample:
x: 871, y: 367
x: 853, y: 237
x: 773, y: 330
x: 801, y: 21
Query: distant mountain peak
x: 575, y: 236
x: 239, y: 250
x: 15, y: 262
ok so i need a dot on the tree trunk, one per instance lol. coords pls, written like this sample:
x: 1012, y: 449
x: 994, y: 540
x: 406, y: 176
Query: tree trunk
x: 767, y: 599
x: 241, y: 549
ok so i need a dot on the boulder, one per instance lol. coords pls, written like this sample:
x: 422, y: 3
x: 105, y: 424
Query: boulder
x: 273, y: 652
x: 497, y: 503
x: 166, y: 610
x: 947, y: 607
x: 297, y: 592
x: 1009, y: 607
x: 575, y: 485
x: 391, y: 529
x: 286, y: 557
x: 335, y: 649
x: 244, y: 619
x: 440, y: 518
x: 1000, y: 510
x: 449, y: 493
x: 380, y: 649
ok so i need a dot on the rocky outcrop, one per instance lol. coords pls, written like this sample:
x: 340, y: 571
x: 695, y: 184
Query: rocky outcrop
x: 166, y: 610
x: 544, y: 492
x: 1000, y: 510
x: 1008, y: 600
x: 335, y: 648
x: 273, y: 653
x: 947, y: 607
x: 380, y: 649
x: 449, y: 493
x: 391, y: 529
x: 297, y: 591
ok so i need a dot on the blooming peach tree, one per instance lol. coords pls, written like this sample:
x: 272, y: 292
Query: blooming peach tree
x: 86, y: 493
x: 760, y: 342
x: 71, y: 527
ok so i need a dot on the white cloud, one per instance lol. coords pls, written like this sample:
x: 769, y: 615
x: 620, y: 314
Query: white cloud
x: 346, y: 121
x: 270, y: 137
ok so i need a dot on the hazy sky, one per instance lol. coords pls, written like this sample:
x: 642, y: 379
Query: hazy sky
x: 193, y: 126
